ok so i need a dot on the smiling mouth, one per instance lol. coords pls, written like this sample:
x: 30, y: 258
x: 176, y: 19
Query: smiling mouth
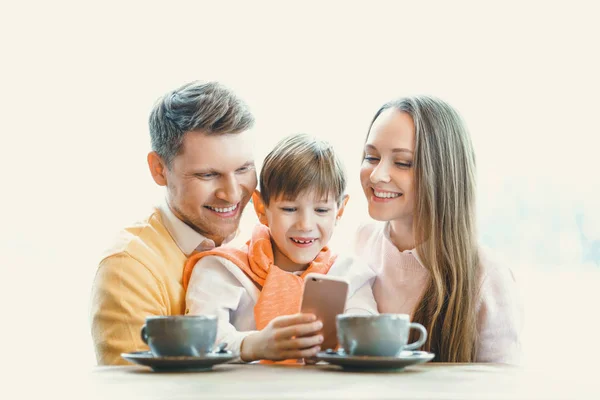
x: 223, y: 210
x: 386, y: 195
x: 303, y: 241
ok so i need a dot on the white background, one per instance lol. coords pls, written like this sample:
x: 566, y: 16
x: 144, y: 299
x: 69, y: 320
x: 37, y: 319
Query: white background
x: 78, y: 81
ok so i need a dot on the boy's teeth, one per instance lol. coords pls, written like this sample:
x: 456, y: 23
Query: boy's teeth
x: 223, y: 210
x: 386, y: 195
x: 303, y: 241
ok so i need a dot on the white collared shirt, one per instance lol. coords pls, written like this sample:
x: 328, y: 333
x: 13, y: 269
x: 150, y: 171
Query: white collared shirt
x: 186, y: 238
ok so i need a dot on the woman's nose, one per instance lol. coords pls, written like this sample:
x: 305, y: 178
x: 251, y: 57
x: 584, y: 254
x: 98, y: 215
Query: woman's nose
x: 380, y: 174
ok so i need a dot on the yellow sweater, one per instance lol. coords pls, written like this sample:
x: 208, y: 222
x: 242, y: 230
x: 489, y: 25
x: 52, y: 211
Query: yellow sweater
x: 140, y: 275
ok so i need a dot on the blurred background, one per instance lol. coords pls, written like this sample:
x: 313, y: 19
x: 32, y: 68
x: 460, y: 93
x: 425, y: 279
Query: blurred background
x: 78, y: 81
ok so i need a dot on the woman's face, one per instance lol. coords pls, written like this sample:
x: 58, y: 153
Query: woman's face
x: 387, y: 172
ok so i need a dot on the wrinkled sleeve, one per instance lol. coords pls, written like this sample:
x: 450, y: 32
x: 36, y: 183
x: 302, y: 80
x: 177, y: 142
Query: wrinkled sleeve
x: 499, y: 318
x: 360, y: 277
x: 213, y: 289
x: 124, y: 293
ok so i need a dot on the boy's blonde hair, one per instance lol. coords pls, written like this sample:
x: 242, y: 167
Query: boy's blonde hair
x: 301, y: 163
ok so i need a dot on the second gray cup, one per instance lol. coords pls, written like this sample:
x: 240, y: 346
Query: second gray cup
x: 384, y: 335
x: 180, y: 335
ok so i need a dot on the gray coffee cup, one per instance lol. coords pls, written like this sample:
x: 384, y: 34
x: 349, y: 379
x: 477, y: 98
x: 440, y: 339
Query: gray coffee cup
x: 384, y: 335
x: 180, y: 335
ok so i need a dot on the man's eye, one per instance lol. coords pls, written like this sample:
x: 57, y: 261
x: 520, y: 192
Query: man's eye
x: 243, y: 169
x: 206, y: 176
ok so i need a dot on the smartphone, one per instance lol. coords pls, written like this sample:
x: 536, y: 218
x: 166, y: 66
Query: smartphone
x: 325, y: 296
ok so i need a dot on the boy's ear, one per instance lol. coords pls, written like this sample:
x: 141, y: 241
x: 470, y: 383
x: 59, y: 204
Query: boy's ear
x: 342, y: 207
x: 259, y: 208
x: 157, y: 168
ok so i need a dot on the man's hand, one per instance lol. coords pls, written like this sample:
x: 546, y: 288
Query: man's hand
x: 285, y: 337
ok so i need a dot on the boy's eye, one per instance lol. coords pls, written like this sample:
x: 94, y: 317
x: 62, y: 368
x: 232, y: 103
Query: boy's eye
x: 322, y: 210
x: 288, y: 209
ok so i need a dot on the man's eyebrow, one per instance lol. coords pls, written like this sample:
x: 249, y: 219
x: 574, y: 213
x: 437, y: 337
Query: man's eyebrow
x: 210, y: 170
x: 247, y: 164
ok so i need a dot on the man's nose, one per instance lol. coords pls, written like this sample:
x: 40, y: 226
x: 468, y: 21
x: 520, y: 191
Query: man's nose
x: 230, y: 191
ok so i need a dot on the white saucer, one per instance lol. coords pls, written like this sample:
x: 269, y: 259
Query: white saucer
x: 405, y: 359
x: 163, y: 364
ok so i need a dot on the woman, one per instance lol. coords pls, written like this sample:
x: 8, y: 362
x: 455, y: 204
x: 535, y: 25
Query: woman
x: 418, y: 174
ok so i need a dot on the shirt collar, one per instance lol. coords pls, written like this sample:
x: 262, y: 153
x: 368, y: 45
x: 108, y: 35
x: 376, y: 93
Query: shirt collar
x: 413, y: 251
x: 186, y: 238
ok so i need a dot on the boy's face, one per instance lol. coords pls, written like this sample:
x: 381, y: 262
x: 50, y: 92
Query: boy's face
x: 301, y: 228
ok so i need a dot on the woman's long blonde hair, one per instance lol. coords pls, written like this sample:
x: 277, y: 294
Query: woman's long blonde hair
x: 445, y: 226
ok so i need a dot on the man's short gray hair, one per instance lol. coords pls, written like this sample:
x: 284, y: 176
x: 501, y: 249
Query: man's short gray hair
x: 208, y: 107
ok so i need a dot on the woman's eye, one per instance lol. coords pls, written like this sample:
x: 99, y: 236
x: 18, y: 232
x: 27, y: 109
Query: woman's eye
x: 403, y: 165
x: 371, y: 159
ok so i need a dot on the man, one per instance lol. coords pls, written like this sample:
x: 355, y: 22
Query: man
x: 202, y: 154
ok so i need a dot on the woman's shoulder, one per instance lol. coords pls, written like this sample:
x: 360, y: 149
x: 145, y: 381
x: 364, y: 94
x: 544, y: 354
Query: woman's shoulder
x: 493, y: 267
x: 497, y: 282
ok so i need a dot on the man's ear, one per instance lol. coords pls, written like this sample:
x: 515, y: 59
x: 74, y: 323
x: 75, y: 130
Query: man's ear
x: 342, y: 207
x: 158, y: 168
x: 259, y: 207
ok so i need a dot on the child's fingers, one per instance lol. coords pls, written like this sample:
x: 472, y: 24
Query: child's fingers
x: 294, y: 319
x: 301, y: 343
x: 299, y: 330
x: 304, y: 353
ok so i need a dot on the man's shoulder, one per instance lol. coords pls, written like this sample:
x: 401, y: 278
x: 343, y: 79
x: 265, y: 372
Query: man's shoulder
x: 145, y: 238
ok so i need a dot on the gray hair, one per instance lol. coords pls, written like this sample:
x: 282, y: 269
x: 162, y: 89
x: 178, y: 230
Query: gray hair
x: 209, y: 107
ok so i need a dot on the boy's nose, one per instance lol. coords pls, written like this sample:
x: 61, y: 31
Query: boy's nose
x: 304, y: 223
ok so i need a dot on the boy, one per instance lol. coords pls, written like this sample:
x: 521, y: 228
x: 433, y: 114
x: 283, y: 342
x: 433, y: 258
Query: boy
x: 256, y: 291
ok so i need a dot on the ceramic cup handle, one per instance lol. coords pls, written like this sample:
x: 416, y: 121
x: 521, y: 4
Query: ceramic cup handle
x: 144, y: 334
x: 422, y: 338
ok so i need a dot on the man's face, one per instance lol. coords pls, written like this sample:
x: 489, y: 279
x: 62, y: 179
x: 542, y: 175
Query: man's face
x: 210, y: 182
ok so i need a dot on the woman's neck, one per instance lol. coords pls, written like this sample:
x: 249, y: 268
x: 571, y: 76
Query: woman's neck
x: 402, y: 234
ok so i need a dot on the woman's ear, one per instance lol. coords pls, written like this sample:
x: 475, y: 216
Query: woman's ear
x: 342, y: 208
x: 259, y: 208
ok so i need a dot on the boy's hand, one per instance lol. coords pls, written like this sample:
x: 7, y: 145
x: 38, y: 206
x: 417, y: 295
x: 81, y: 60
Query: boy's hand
x: 285, y: 337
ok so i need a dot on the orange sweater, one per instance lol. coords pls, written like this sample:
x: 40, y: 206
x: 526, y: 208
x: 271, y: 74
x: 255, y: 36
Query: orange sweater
x: 281, y: 291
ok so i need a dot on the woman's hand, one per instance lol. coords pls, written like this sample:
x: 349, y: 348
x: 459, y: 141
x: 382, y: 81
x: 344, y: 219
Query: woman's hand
x: 285, y: 337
